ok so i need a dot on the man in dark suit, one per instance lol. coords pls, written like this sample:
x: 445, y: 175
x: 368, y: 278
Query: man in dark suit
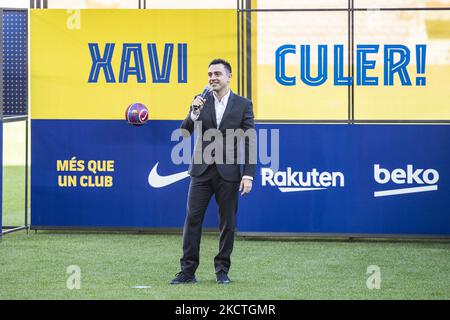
x: 219, y: 172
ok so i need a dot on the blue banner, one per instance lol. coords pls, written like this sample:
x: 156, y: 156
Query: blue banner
x: 95, y: 173
x: 356, y: 179
x: 333, y: 179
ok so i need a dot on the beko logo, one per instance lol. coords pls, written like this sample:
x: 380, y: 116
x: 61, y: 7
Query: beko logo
x: 292, y: 181
x: 428, y: 178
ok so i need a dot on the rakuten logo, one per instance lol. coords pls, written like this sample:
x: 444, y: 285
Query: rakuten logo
x: 292, y: 181
x: 411, y: 176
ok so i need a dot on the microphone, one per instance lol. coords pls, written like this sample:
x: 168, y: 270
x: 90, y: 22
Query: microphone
x: 205, y: 94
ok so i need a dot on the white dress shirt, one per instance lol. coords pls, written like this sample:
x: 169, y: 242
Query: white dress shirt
x: 220, y: 106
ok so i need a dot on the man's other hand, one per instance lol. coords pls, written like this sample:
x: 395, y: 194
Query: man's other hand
x: 197, y: 105
x: 246, y: 186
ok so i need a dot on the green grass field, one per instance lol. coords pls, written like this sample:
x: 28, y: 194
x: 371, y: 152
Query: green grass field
x: 14, y: 195
x: 34, y: 266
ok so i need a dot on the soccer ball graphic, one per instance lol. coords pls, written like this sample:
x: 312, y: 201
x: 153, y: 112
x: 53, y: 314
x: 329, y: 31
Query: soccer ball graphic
x: 136, y: 114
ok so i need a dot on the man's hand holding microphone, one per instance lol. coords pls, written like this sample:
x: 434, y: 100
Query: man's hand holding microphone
x: 199, y: 101
x: 197, y: 105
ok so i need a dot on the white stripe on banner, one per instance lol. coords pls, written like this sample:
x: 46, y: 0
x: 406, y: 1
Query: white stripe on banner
x: 405, y: 190
x: 298, y: 189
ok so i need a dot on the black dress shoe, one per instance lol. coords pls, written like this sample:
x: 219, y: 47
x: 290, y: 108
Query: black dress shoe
x: 182, y: 277
x: 222, y: 277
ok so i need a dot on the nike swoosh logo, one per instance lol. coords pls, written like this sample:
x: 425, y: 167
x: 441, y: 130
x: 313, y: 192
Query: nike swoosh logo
x: 157, y: 181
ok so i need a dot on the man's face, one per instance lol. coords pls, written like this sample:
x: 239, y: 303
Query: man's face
x: 219, y: 77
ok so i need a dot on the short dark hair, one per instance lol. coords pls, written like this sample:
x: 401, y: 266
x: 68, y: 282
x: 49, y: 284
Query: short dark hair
x: 225, y: 63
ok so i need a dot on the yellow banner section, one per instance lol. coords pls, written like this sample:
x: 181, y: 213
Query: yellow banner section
x: 92, y: 64
x: 330, y: 102
x: 429, y: 102
x: 299, y: 102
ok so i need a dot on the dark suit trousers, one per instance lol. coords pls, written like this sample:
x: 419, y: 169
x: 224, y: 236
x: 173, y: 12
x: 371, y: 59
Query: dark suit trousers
x: 200, y: 192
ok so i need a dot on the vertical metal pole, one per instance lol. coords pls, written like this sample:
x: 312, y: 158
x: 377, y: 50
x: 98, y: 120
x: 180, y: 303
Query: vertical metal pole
x: 238, y: 50
x: 249, y: 50
x: 26, y: 129
x: 242, y: 49
x: 352, y: 62
x: 32, y: 4
x: 26, y: 174
x: 349, y: 49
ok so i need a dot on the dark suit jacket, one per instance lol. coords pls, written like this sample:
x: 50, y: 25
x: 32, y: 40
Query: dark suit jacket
x: 238, y: 115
